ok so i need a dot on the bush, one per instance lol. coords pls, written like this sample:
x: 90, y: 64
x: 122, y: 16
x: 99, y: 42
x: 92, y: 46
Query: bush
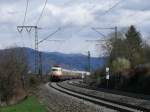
x: 120, y: 64
x: 135, y: 80
x: 33, y: 81
x: 96, y: 78
x: 140, y: 80
x: 12, y: 69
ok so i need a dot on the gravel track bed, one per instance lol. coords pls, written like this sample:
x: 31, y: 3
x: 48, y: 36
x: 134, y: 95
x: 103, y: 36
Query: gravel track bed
x: 56, y: 101
x: 79, y: 83
x: 109, y: 96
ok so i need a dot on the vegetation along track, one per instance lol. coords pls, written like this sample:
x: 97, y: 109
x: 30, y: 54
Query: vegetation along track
x: 99, y: 101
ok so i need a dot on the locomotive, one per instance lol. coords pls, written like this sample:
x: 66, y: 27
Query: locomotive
x: 59, y: 74
x: 56, y: 73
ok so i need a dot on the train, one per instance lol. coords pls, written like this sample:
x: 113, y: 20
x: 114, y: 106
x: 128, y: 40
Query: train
x: 57, y: 73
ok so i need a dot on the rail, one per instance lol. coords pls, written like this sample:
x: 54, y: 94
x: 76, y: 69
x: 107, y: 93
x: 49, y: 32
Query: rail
x: 99, y: 101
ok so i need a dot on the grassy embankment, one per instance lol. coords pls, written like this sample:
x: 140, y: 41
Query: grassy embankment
x: 31, y: 104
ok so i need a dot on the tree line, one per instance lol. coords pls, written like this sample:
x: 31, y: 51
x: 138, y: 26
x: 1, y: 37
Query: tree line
x: 129, y: 63
x: 15, y: 81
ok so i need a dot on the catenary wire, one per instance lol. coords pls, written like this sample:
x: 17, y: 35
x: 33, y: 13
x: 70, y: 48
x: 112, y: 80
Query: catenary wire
x: 41, y: 12
x: 107, y: 11
x: 49, y: 35
x: 26, y: 10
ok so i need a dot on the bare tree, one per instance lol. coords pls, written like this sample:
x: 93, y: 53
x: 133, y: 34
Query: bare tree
x: 13, y: 68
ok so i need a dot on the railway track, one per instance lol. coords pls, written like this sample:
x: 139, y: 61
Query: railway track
x: 99, y: 101
x: 138, y: 96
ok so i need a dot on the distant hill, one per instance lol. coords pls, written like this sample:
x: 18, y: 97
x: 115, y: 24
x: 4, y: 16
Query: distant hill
x: 67, y: 61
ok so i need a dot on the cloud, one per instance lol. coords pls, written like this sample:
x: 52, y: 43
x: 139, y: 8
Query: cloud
x: 6, y: 13
x: 75, y: 17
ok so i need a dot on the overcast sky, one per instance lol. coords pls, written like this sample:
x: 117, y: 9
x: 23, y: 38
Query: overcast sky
x: 75, y: 17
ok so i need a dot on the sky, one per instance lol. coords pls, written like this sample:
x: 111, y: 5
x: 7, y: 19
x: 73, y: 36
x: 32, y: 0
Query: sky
x: 75, y: 18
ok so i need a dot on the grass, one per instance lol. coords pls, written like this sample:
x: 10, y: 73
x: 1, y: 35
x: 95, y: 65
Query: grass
x: 31, y: 104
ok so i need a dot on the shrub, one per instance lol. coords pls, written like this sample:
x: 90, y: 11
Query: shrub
x: 12, y: 69
x: 33, y: 81
x: 120, y: 64
x: 96, y: 78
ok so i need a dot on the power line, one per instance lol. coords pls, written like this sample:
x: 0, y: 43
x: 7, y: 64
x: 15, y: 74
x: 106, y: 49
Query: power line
x: 115, y: 5
x: 99, y: 32
x: 111, y: 8
x: 27, y: 5
x: 107, y: 11
x: 51, y: 34
x: 24, y: 20
x: 70, y: 1
x: 64, y: 4
x: 103, y: 40
x: 41, y: 13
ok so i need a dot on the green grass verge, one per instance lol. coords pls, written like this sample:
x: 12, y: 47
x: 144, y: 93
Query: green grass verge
x: 31, y: 104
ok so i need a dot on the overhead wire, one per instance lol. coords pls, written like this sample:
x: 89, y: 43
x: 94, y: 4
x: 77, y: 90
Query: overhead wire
x: 135, y: 13
x: 68, y: 2
x: 47, y: 28
x: 107, y: 11
x: 26, y: 10
x: 98, y: 32
x: 115, y: 5
x: 42, y: 12
x: 23, y: 22
x: 112, y: 7
x: 94, y: 29
x: 51, y: 34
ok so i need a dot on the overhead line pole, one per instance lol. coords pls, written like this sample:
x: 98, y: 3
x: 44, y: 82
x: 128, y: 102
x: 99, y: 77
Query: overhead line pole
x: 109, y: 28
x: 40, y: 64
x: 116, y: 36
x: 89, y: 61
x: 39, y: 60
x: 36, y: 54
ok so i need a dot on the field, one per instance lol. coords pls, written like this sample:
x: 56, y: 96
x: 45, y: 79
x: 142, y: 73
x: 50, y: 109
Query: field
x: 31, y: 104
